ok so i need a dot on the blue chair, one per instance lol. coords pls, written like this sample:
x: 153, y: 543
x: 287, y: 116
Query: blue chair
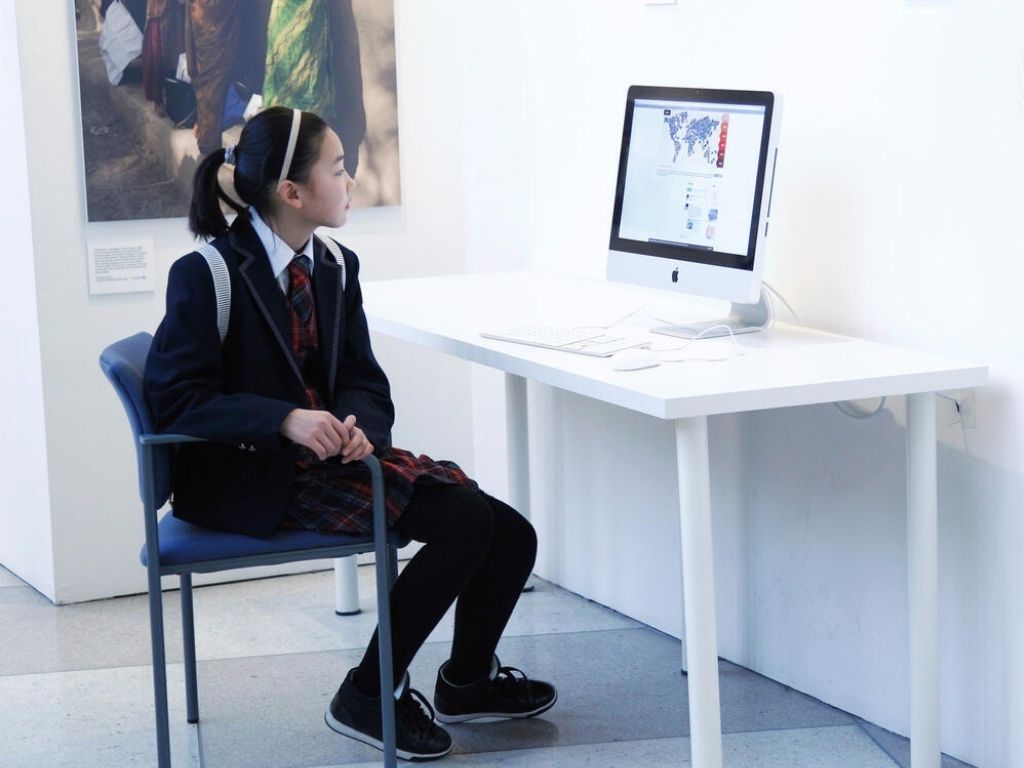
x: 176, y: 547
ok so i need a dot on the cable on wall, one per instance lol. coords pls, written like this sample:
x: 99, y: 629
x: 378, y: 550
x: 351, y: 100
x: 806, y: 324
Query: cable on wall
x: 847, y: 408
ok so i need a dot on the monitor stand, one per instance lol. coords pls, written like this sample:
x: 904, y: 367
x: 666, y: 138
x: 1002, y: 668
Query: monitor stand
x: 742, y: 318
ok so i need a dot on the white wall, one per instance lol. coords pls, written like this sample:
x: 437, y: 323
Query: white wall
x: 25, y: 536
x: 898, y: 199
x: 92, y: 502
x: 897, y: 211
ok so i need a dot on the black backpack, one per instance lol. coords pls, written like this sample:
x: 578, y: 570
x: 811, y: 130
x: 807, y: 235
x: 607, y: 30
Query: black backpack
x: 180, y: 102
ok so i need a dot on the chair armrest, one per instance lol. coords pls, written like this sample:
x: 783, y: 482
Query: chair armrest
x: 169, y: 438
x: 372, y: 462
x: 380, y: 518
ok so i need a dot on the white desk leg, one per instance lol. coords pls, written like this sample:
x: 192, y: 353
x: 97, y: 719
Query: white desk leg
x: 923, y: 577
x: 518, y: 443
x: 699, y: 591
x: 346, y: 586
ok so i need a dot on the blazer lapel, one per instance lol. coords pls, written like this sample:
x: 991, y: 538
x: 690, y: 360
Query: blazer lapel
x: 330, y: 304
x: 255, y: 272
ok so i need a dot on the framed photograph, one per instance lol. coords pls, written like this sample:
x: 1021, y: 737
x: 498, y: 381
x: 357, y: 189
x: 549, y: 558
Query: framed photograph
x: 163, y: 82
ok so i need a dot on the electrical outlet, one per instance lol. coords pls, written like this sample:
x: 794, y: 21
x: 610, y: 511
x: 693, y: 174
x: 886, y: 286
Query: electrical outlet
x: 961, y: 408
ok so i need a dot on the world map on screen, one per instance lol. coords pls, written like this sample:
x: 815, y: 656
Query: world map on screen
x: 699, y: 135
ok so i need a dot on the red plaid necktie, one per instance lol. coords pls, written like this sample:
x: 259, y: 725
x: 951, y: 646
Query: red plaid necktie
x: 303, y: 318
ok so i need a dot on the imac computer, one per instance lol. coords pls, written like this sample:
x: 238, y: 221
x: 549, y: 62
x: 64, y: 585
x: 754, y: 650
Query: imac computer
x: 694, y: 196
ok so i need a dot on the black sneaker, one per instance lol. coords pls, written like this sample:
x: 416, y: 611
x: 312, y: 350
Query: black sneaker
x: 505, y: 692
x: 357, y: 716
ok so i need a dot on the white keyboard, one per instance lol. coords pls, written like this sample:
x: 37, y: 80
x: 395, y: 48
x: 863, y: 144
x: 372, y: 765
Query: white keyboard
x: 586, y: 342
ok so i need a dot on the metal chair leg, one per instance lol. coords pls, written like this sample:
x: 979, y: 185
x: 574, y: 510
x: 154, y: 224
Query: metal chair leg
x: 156, y: 633
x: 382, y: 566
x: 387, y: 677
x: 189, y: 642
x: 392, y: 567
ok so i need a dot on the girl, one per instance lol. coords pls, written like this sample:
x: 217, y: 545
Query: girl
x: 293, y: 398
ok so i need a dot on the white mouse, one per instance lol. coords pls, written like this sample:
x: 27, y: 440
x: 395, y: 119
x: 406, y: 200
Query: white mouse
x: 635, y: 359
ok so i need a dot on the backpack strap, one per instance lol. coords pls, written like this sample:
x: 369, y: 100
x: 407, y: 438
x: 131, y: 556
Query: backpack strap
x: 335, y: 250
x: 222, y: 280
x: 221, y: 285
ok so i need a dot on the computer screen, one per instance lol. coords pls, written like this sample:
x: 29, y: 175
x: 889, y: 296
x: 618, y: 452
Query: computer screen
x: 693, y: 190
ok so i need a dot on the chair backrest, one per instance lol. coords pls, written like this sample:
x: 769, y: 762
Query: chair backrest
x: 124, y: 363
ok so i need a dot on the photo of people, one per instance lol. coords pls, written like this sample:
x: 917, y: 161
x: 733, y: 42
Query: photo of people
x: 164, y: 82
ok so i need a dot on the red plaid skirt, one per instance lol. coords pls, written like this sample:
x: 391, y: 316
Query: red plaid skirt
x: 331, y: 497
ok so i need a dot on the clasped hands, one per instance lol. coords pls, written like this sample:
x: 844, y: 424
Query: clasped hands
x: 326, y: 436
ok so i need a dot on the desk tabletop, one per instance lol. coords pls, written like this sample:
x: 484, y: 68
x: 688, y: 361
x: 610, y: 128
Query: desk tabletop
x: 785, y: 366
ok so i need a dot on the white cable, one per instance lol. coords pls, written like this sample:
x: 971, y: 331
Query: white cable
x: 771, y: 311
x: 644, y: 310
x: 959, y: 417
x: 846, y: 408
x: 782, y: 298
x: 688, y: 342
x: 732, y: 337
x: 610, y: 325
x: 855, y: 412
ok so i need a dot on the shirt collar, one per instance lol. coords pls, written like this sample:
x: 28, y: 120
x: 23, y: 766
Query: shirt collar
x: 278, y: 251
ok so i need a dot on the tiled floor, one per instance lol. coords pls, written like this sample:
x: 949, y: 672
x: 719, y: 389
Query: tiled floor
x: 75, y: 688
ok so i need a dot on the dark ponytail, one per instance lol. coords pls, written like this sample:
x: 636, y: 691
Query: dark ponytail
x: 259, y: 157
x: 205, y: 217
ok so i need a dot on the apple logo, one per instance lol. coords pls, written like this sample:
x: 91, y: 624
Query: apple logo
x: 675, y: 275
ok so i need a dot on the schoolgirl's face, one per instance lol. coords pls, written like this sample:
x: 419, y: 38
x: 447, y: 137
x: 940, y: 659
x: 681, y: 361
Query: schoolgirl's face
x: 327, y: 194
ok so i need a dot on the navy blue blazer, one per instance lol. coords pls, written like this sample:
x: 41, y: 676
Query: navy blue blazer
x: 238, y: 393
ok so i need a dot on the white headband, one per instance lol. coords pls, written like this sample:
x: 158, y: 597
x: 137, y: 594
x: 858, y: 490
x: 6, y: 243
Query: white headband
x: 293, y: 137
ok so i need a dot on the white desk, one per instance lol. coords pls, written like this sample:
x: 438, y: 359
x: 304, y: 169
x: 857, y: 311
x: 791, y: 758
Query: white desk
x: 787, y: 366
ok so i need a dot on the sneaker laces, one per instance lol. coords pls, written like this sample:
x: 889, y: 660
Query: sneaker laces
x: 415, y: 714
x: 512, y: 684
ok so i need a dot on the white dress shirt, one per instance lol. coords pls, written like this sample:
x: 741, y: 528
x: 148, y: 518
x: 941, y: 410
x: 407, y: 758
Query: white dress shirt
x: 278, y: 250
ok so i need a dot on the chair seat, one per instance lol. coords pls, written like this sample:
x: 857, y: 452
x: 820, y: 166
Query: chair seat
x: 182, y: 543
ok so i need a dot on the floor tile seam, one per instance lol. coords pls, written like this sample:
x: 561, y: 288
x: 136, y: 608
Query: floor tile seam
x: 662, y: 738
x: 796, y: 728
x: 362, y: 647
x: 42, y: 673
x: 544, y: 635
x: 845, y: 726
x: 614, y: 613
x: 199, y: 741
x: 630, y: 622
x: 860, y: 724
x: 555, y: 589
x: 177, y: 662
x: 201, y: 660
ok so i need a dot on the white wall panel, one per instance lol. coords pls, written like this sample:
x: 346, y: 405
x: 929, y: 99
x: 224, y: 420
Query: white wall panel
x: 897, y: 218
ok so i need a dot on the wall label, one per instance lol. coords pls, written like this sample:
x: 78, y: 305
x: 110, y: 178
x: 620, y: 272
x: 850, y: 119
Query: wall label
x: 121, y: 266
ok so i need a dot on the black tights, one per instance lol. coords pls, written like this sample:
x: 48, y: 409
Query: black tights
x: 478, y: 549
